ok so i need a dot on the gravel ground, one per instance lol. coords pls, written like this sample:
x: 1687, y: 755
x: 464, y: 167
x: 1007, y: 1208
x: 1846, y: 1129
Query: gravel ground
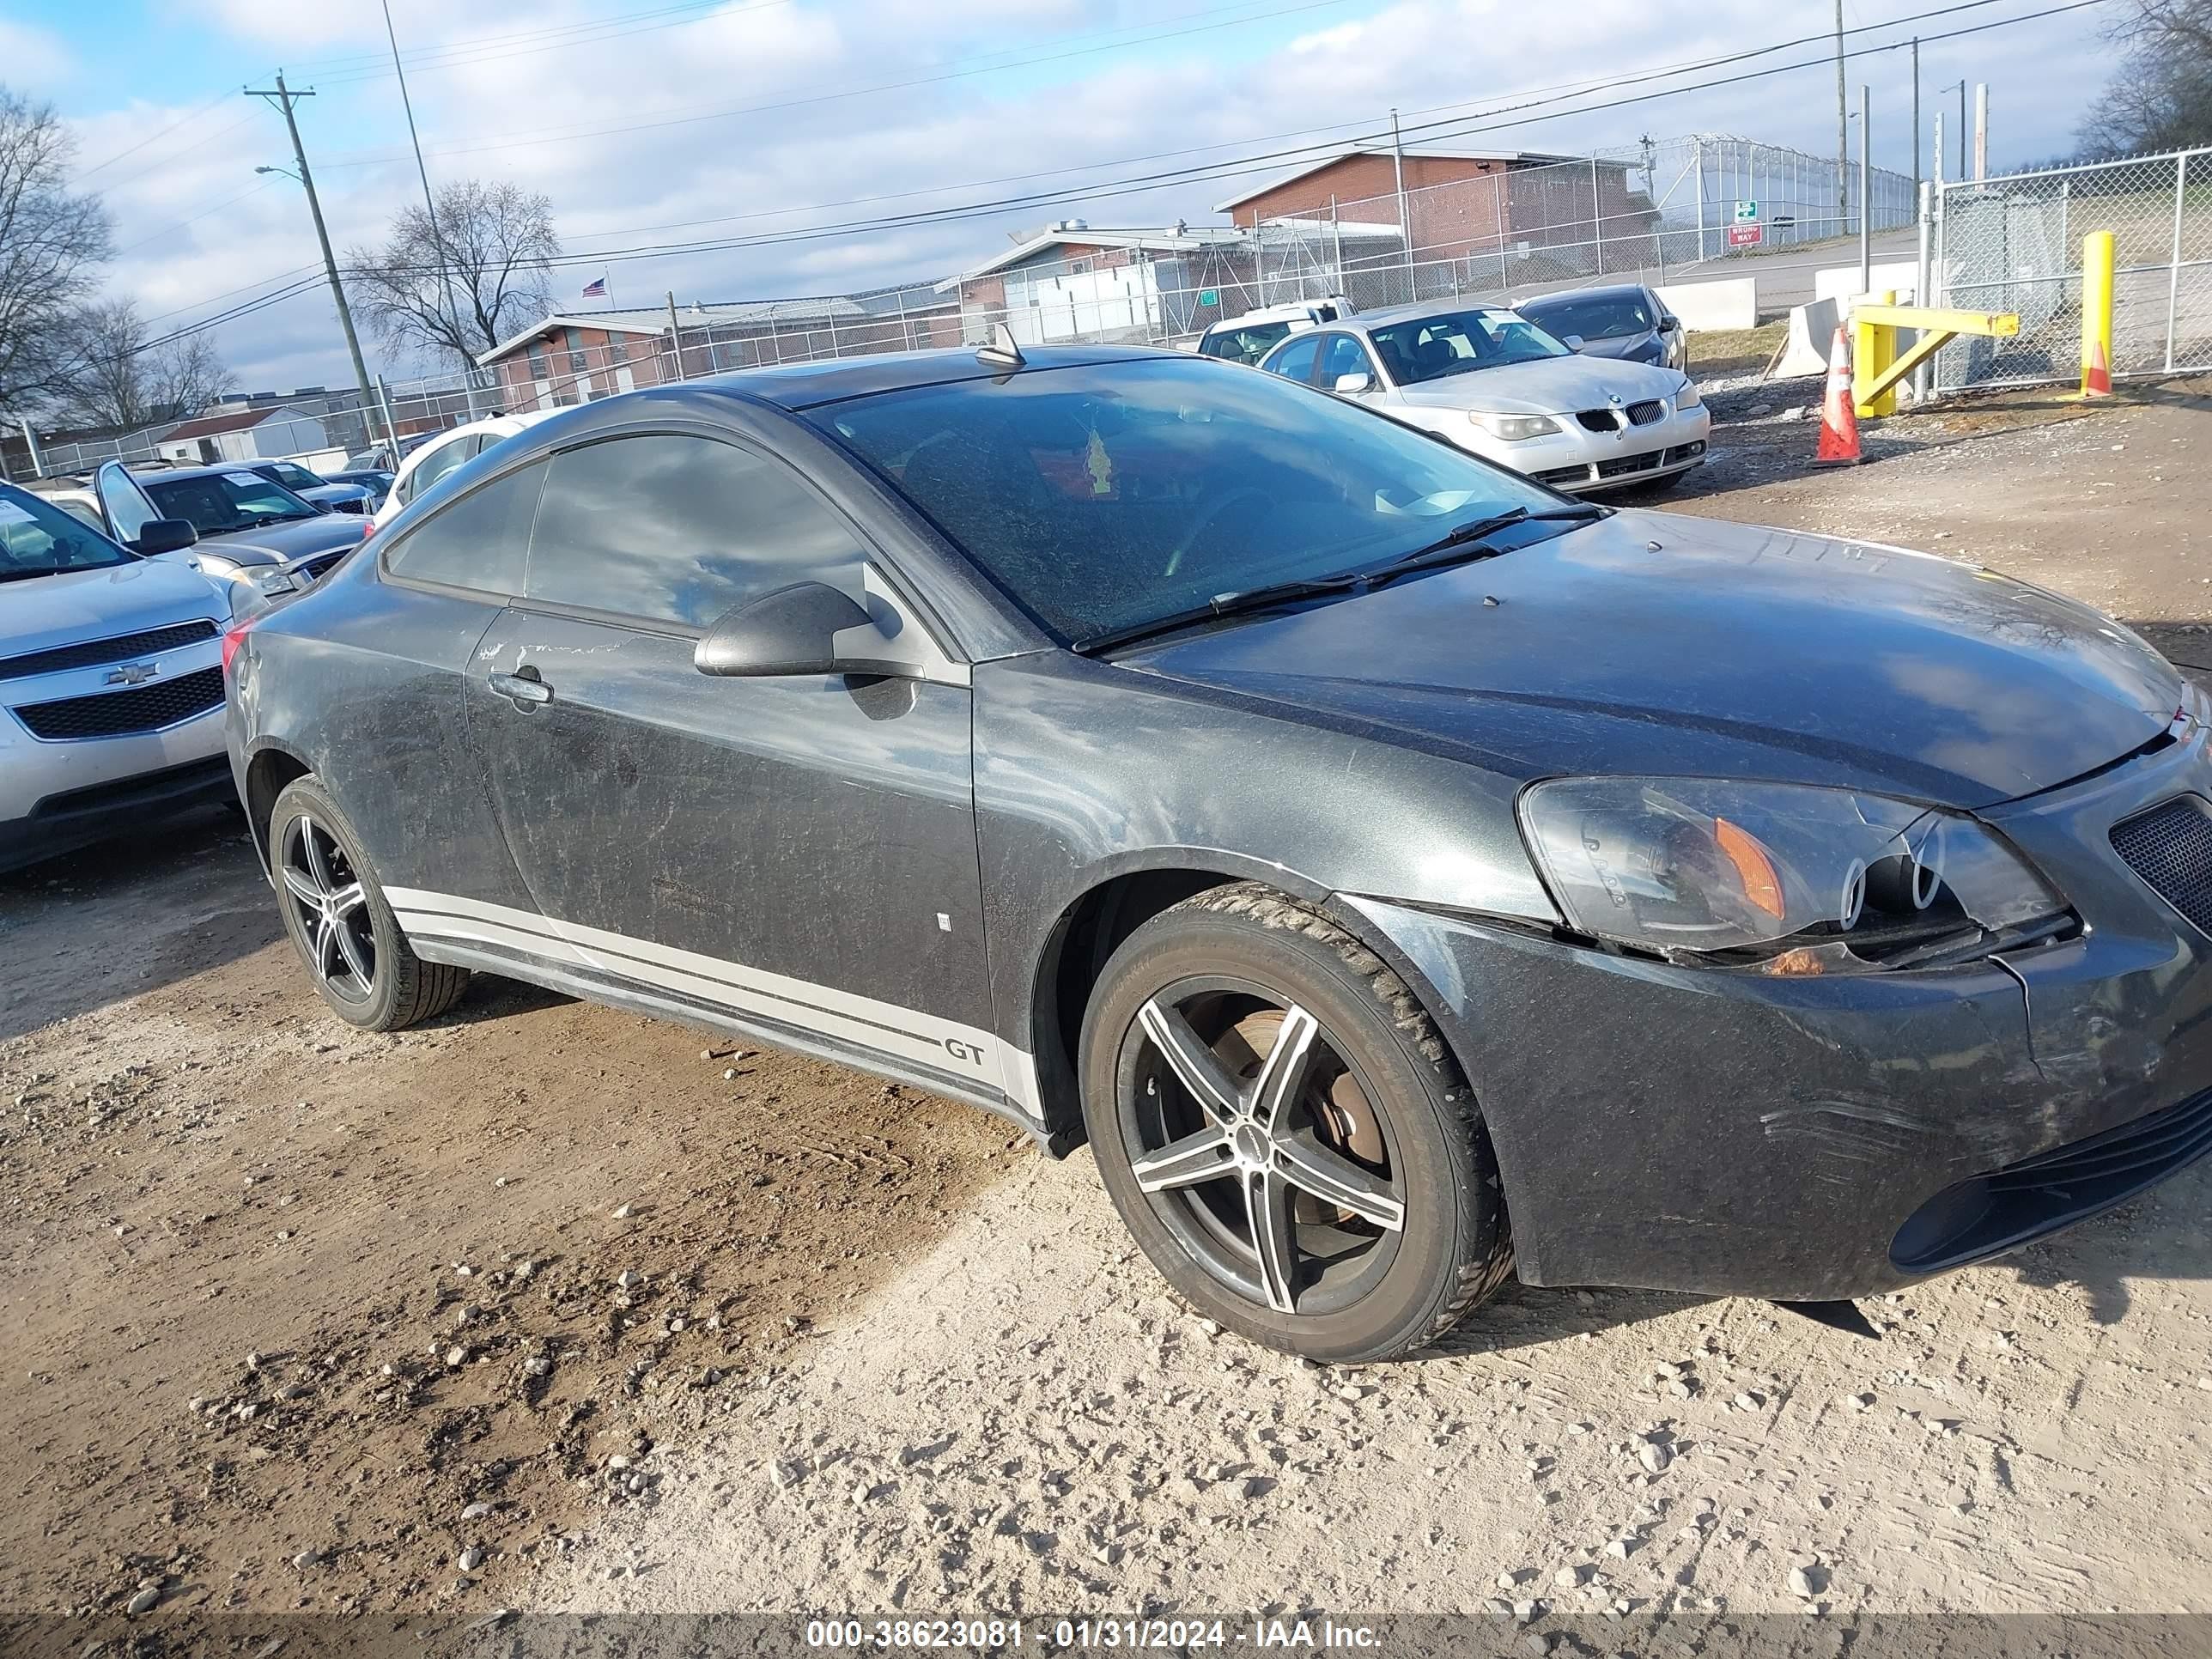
x: 872, y: 1354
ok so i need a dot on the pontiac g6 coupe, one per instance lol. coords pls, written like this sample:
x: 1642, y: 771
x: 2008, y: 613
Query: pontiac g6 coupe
x: 1397, y: 872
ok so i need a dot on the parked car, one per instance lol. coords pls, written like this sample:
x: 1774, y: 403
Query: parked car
x: 1354, y: 840
x: 1492, y: 382
x: 448, y: 452
x: 373, y: 480
x: 1248, y: 338
x: 1624, y: 320
x: 331, y: 494
x: 240, y: 526
x: 111, y: 682
x: 73, y: 496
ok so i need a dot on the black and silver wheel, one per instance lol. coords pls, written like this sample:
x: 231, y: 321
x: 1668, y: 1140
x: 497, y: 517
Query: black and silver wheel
x: 1284, y: 1133
x: 335, y: 912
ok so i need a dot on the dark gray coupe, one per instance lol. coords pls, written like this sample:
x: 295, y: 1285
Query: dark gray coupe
x: 1357, y: 844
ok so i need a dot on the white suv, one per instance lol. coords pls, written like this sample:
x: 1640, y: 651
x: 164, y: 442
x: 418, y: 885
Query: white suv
x: 1248, y: 338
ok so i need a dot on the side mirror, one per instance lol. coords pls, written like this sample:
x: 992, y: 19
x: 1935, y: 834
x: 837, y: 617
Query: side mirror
x: 1358, y: 380
x: 164, y: 536
x: 1668, y: 322
x: 1572, y: 341
x: 322, y: 506
x: 808, y: 628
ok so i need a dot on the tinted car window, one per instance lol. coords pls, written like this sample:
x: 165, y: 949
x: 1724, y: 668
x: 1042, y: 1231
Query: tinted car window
x: 1296, y: 362
x: 290, y: 476
x: 220, y: 501
x: 1108, y: 496
x: 39, y: 539
x: 479, y: 541
x: 679, y: 530
x: 1605, y: 317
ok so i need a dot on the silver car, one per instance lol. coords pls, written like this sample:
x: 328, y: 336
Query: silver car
x: 1495, y: 384
x: 111, y: 683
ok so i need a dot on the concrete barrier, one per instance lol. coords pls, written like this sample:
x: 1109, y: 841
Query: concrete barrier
x: 1841, y: 282
x: 1731, y: 302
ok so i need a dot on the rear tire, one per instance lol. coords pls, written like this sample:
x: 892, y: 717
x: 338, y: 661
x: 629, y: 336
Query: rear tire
x: 338, y: 920
x: 1395, y: 1226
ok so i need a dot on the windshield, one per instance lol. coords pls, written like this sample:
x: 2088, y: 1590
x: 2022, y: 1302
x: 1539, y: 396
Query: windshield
x: 39, y: 539
x: 1109, y: 495
x: 1600, y: 317
x: 220, y: 501
x: 1458, y: 342
x: 1244, y: 344
x: 294, y: 477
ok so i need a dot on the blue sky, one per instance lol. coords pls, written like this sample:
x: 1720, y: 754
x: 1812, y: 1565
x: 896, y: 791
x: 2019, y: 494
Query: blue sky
x: 956, y: 94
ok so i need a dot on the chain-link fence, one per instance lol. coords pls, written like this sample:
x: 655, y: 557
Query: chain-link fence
x: 2015, y: 244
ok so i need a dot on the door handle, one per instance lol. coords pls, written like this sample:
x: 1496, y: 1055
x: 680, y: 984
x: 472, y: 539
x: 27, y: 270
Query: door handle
x: 523, y: 688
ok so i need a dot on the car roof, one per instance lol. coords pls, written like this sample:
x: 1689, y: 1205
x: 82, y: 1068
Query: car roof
x: 1610, y: 291
x: 804, y: 386
x: 163, y: 474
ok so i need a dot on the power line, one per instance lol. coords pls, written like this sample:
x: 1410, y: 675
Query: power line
x: 212, y: 105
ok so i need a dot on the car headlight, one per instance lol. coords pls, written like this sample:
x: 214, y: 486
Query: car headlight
x: 1690, y: 867
x: 272, y: 582
x: 1687, y: 398
x: 1512, y: 429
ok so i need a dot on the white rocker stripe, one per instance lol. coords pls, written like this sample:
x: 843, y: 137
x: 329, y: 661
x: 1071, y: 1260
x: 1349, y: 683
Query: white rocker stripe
x: 902, y: 1033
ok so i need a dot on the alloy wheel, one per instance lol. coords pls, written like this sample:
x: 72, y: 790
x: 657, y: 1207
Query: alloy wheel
x: 330, y: 905
x: 1259, y: 1145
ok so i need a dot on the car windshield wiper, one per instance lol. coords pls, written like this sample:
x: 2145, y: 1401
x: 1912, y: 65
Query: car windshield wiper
x: 1462, y: 545
x: 1462, y: 539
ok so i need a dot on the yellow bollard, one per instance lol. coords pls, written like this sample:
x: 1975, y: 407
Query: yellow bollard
x: 2097, y: 314
x: 1873, y: 351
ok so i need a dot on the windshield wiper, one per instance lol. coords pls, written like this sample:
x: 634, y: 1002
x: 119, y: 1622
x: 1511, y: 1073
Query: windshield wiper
x: 1462, y: 545
x: 1461, y: 538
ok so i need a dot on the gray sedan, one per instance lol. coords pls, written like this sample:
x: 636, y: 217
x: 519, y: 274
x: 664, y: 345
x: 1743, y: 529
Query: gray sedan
x: 1626, y: 320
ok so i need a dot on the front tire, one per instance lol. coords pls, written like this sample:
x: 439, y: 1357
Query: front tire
x: 338, y: 920
x: 1285, y: 1133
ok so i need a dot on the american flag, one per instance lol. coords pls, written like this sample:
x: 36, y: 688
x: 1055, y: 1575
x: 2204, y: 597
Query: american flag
x: 596, y: 288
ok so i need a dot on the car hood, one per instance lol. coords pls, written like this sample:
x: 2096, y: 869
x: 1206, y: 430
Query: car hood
x: 1550, y: 385
x: 282, y: 544
x: 1657, y: 644
x: 47, y: 611
x: 1616, y: 346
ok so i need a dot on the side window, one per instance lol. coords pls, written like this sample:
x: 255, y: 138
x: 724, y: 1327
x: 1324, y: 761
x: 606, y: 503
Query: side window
x: 1344, y: 355
x: 678, y: 529
x: 125, y: 505
x: 438, y: 463
x: 1296, y: 362
x: 478, y: 541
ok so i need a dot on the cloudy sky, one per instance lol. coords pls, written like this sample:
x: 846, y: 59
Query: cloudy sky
x: 654, y: 121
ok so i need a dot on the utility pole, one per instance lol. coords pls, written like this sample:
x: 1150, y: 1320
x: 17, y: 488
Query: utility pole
x: 1843, y: 133
x: 1916, y: 117
x: 1981, y: 130
x: 429, y: 204
x: 1405, y: 220
x: 284, y: 98
x: 1866, y: 191
x: 675, y: 341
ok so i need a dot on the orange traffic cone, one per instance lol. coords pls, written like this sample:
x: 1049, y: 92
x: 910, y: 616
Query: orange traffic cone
x: 1839, y: 415
x: 2096, y: 373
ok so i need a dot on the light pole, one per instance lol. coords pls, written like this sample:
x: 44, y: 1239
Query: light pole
x: 1959, y: 87
x: 284, y: 98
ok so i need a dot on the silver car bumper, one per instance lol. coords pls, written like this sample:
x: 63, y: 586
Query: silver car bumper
x: 1580, y: 460
x: 83, y: 752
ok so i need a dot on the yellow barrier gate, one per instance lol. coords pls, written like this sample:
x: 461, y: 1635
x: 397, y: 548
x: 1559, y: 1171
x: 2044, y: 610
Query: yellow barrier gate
x: 1877, y: 365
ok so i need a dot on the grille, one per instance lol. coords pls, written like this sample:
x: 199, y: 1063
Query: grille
x: 2170, y: 846
x: 1994, y: 1212
x: 148, y: 708
x: 88, y: 652
x: 1623, y: 465
x: 319, y: 566
x: 1600, y: 420
x: 1564, y: 475
x: 1643, y: 414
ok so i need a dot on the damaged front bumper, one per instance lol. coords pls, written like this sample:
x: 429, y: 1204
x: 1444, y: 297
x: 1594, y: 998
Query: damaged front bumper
x: 1733, y: 1132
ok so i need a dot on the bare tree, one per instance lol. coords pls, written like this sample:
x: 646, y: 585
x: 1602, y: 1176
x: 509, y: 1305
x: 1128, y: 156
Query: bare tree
x: 114, y: 378
x: 465, y: 284
x: 52, y: 244
x: 2162, y: 98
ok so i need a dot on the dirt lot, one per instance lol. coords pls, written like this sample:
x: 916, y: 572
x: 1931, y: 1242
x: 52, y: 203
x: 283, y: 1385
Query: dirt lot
x: 545, y: 1308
